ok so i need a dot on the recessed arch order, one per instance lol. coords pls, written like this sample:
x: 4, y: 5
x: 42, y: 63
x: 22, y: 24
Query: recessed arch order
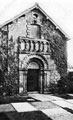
x: 31, y: 58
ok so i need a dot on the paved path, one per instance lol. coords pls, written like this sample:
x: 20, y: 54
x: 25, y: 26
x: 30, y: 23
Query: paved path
x: 54, y: 107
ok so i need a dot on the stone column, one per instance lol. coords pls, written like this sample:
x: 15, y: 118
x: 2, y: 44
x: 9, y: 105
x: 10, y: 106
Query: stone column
x: 45, y: 47
x: 27, y: 46
x: 42, y: 47
x: 20, y: 82
x: 48, y: 78
x: 32, y: 46
x: 25, y: 82
x: 37, y: 46
x: 22, y: 46
x: 45, y: 80
x: 41, y: 80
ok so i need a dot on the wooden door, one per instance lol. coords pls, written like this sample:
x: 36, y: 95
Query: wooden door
x: 33, y: 80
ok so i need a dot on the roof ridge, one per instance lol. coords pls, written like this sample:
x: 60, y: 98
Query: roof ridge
x: 36, y: 5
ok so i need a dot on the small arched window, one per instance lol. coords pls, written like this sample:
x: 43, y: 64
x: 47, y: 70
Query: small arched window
x: 35, y: 15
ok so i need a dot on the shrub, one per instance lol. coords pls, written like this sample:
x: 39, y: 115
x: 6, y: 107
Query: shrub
x: 53, y: 88
x: 65, y: 85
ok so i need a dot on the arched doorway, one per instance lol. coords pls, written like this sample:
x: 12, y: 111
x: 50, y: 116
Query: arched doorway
x: 35, y: 75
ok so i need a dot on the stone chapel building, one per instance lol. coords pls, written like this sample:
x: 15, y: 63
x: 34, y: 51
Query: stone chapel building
x: 26, y: 56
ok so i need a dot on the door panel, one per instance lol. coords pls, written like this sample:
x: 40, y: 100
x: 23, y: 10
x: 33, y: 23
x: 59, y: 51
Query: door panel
x: 32, y: 80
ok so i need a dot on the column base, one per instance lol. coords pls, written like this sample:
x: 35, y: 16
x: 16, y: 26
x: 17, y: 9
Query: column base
x: 23, y: 94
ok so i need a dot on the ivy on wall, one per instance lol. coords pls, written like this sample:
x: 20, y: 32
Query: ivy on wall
x: 13, y: 65
x: 9, y: 63
x: 9, y: 57
x: 57, y: 45
x: 3, y: 52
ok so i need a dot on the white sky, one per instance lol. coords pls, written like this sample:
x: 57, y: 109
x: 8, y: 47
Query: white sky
x: 61, y: 11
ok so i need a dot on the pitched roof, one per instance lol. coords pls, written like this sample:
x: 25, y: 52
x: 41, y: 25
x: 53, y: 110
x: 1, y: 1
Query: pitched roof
x: 39, y: 8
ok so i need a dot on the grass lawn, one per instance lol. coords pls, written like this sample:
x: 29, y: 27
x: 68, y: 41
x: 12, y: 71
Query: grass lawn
x: 65, y: 96
x: 35, y: 115
x: 13, y: 99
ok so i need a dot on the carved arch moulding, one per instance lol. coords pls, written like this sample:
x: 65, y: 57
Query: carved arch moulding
x: 26, y: 59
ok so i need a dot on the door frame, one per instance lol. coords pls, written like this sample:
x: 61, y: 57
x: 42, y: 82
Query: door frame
x: 34, y: 79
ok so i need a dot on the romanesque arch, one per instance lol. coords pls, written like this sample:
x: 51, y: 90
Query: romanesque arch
x: 33, y: 66
x: 28, y: 58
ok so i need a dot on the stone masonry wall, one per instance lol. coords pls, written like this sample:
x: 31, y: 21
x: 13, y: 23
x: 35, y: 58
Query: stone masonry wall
x: 22, y: 26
